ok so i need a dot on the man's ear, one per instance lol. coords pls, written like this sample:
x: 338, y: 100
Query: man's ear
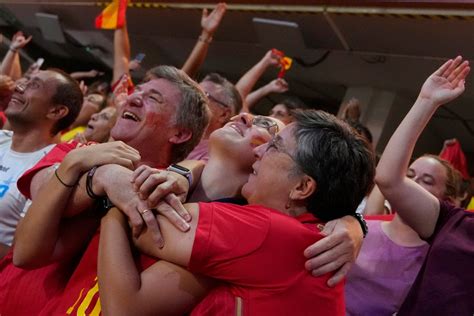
x: 181, y: 135
x: 303, y: 189
x: 57, y: 112
x: 224, y: 115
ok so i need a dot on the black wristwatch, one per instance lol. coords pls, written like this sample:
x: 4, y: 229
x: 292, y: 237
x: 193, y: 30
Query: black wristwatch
x: 185, y: 172
x: 362, y: 222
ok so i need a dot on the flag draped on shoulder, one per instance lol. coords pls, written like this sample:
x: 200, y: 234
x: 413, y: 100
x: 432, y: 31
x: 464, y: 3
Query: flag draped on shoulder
x: 113, y: 16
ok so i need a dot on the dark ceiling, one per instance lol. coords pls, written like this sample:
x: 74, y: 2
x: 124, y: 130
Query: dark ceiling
x: 387, y: 45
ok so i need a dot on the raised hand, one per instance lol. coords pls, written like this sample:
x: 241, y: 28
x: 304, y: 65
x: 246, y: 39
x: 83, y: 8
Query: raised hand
x: 446, y: 83
x: 210, y: 22
x: 278, y: 85
x: 19, y: 41
x: 271, y: 59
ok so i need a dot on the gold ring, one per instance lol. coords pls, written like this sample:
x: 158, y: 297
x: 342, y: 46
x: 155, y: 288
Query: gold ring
x: 144, y: 211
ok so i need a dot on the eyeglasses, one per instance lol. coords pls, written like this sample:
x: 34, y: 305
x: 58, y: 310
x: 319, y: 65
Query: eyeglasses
x: 210, y: 97
x: 267, y: 123
x: 275, y: 145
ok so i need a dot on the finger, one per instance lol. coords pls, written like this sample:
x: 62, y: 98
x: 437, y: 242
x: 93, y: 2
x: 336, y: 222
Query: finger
x: 454, y: 64
x: 327, y: 257
x: 137, y: 172
x: 329, y: 267
x: 321, y: 246
x: 28, y: 39
x: 176, y: 204
x: 167, y: 211
x: 152, y: 224
x: 340, y: 274
x: 457, y: 71
x: 205, y: 14
x: 136, y: 221
x: 461, y: 76
x: 157, y: 185
x: 328, y: 228
x: 441, y: 70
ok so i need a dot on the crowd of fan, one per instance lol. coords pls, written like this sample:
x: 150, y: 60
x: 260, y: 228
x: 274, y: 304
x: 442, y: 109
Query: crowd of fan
x: 169, y: 197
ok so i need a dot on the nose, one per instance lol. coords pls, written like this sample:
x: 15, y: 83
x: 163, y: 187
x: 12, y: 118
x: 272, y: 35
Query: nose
x: 246, y: 118
x: 260, y: 150
x: 94, y: 117
x: 135, y: 99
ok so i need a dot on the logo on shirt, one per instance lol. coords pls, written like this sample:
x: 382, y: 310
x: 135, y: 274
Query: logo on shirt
x: 4, y: 169
x: 5, y: 186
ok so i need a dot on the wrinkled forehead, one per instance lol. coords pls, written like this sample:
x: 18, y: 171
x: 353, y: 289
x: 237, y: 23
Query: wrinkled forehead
x: 166, y: 89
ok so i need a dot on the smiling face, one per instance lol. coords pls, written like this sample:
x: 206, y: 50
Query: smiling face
x: 92, y: 104
x: 430, y: 174
x: 147, y: 117
x: 100, y: 124
x: 237, y: 139
x: 32, y: 98
x: 274, y: 173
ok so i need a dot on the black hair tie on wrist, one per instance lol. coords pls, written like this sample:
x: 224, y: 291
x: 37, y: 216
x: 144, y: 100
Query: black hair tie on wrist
x: 62, y: 182
x: 90, y: 192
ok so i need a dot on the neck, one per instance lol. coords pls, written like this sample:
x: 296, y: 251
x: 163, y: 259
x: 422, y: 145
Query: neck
x: 31, y: 139
x: 211, y: 185
x: 154, y: 156
x: 295, y: 211
x: 401, y: 234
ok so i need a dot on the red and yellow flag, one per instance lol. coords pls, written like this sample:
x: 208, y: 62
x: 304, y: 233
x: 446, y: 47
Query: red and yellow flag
x: 284, y: 62
x: 113, y: 16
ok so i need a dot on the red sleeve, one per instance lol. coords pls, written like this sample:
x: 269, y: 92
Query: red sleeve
x: 56, y: 155
x: 225, y: 233
x: 238, y: 244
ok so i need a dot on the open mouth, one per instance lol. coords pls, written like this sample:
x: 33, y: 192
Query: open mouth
x: 90, y: 126
x: 237, y: 129
x: 130, y: 116
x: 17, y: 99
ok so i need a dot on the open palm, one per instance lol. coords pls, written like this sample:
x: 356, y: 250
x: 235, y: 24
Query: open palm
x: 446, y: 83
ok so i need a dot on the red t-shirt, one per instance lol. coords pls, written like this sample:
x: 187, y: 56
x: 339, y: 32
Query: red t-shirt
x: 25, y: 292
x: 259, y: 252
x: 81, y: 294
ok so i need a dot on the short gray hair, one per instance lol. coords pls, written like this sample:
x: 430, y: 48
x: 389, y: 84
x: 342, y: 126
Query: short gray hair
x: 193, y: 111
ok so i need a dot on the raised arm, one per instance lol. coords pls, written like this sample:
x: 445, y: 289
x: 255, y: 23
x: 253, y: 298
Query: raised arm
x: 250, y: 78
x: 11, y: 62
x: 274, y: 86
x: 209, y: 24
x: 418, y: 208
x: 121, y: 53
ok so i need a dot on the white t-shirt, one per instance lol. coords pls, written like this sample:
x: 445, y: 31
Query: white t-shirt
x: 12, y: 202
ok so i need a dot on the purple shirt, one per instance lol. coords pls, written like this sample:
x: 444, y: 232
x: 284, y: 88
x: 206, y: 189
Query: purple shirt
x: 200, y: 152
x: 382, y: 274
x: 445, y: 284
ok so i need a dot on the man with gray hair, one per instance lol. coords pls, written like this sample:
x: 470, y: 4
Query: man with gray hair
x: 158, y: 125
x: 224, y: 102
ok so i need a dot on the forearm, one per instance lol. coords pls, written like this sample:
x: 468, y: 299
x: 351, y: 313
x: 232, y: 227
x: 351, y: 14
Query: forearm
x: 119, y: 279
x: 16, y: 69
x: 81, y: 74
x: 416, y: 206
x: 121, y: 53
x: 250, y: 78
x: 254, y: 97
x: 198, y: 55
x: 8, y: 63
x: 39, y: 232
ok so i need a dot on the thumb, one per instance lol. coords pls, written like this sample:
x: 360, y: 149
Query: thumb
x: 328, y: 228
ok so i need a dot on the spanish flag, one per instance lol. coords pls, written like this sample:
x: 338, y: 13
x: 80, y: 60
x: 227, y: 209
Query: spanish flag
x: 113, y: 16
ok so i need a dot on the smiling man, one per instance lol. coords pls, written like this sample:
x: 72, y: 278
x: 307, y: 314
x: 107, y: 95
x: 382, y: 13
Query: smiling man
x: 163, y: 119
x: 40, y: 107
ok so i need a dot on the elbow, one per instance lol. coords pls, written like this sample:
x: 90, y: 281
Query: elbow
x: 383, y: 181
x: 24, y: 261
